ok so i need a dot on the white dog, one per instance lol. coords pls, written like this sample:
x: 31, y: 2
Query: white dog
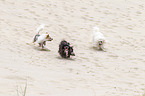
x: 41, y: 39
x: 98, y: 39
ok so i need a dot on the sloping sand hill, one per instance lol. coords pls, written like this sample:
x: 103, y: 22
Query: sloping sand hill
x: 120, y: 71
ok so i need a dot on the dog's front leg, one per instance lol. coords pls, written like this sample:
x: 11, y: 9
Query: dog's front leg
x: 42, y: 45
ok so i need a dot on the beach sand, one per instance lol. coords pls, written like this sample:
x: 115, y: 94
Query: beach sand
x: 119, y: 71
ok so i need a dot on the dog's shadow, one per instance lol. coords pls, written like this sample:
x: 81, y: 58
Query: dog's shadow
x: 96, y: 49
x: 59, y: 57
x: 40, y: 49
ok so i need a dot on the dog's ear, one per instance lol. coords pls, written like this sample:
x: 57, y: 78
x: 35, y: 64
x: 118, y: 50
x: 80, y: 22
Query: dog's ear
x: 47, y: 36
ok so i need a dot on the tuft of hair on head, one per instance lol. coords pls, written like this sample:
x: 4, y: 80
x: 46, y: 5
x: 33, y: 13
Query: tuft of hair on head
x: 96, y: 29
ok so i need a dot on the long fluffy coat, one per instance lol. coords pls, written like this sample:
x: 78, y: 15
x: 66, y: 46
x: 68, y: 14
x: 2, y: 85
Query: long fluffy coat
x: 98, y: 38
x: 65, y: 50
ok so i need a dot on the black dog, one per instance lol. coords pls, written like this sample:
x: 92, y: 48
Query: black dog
x: 65, y: 50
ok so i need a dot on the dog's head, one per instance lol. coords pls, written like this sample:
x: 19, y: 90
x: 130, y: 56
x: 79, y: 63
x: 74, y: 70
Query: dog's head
x: 48, y: 38
x: 68, y: 51
x: 100, y: 42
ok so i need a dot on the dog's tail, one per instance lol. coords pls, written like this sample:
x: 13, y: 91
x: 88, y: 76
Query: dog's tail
x: 40, y: 28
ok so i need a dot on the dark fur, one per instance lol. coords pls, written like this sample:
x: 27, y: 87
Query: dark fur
x: 36, y: 37
x: 64, y: 45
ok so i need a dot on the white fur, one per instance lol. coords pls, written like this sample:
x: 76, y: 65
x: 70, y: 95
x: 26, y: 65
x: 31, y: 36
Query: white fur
x: 97, y: 35
x: 41, y: 38
x: 40, y: 28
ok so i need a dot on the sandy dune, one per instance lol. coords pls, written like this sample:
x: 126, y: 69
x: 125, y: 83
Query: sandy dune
x: 120, y: 71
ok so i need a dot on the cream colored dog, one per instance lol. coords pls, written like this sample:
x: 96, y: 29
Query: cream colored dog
x: 98, y: 39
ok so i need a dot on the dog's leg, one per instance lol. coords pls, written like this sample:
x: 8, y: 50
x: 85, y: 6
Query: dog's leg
x: 102, y: 48
x: 97, y: 46
x: 59, y: 49
x: 42, y: 45
x: 39, y: 44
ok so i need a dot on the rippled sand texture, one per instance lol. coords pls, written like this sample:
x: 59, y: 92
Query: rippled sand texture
x: 120, y: 71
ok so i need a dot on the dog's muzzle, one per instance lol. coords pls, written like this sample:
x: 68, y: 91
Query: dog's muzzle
x: 51, y: 39
x: 100, y: 42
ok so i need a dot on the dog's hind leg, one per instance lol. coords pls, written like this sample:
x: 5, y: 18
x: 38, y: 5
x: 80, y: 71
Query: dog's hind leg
x: 39, y: 44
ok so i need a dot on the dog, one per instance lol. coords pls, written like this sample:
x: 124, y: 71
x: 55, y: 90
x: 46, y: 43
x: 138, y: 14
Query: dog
x: 41, y: 39
x: 65, y: 50
x: 98, y: 39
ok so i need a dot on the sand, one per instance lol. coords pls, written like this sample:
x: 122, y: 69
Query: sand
x: 119, y: 71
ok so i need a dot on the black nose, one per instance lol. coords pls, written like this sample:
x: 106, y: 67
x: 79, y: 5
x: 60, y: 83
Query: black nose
x: 100, y: 42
